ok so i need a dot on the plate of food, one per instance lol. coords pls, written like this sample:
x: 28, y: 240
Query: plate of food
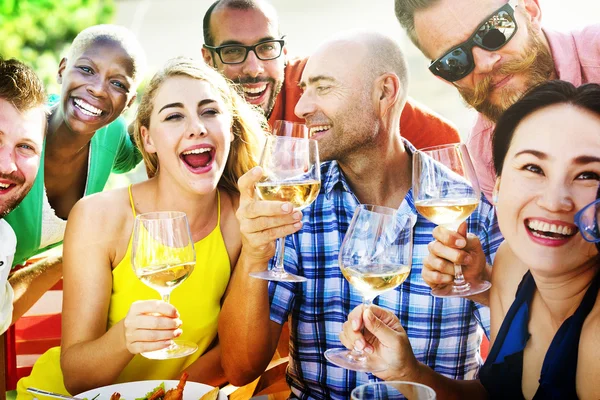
x: 155, y: 390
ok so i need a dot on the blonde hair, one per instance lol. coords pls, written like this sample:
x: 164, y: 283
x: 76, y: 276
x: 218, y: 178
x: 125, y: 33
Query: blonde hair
x: 248, y: 124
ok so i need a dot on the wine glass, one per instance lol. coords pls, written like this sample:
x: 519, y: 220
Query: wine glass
x: 393, y: 390
x: 290, y: 129
x: 446, y: 192
x: 291, y: 172
x: 376, y: 256
x: 162, y: 257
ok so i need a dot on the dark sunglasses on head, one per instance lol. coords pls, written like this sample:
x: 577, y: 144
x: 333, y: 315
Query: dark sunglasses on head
x: 491, y: 35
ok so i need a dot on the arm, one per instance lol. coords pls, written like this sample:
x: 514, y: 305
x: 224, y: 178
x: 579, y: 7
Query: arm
x: 385, y: 338
x: 91, y: 356
x: 247, y: 334
x: 207, y: 368
x: 31, y: 282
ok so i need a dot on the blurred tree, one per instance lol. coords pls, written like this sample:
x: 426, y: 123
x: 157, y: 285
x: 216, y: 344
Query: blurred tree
x: 38, y: 32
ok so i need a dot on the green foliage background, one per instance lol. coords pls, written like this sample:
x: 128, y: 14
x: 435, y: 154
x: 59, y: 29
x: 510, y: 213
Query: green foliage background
x: 38, y: 32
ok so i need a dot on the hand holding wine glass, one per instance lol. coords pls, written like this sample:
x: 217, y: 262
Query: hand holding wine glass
x: 162, y: 257
x: 376, y: 256
x: 291, y: 173
x: 393, y: 390
x: 446, y: 192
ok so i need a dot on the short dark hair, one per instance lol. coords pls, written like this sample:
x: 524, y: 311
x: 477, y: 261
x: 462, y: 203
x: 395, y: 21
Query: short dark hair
x: 209, y: 39
x: 546, y: 94
x: 20, y: 86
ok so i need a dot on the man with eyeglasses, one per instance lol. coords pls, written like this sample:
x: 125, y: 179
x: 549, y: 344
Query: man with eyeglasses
x: 243, y: 41
x: 492, y: 51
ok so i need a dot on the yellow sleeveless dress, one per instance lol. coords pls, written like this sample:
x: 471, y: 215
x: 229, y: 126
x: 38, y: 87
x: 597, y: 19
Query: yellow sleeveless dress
x: 198, y: 300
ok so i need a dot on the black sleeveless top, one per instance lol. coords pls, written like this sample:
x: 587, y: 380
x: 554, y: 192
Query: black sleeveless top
x: 502, y: 372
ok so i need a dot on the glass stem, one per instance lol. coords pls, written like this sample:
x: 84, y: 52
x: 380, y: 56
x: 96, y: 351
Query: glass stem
x: 166, y: 297
x: 460, y: 284
x: 278, y: 269
x: 356, y: 354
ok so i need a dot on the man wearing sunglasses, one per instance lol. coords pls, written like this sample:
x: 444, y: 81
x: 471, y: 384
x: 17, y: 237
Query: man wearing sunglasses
x: 243, y: 41
x: 492, y: 51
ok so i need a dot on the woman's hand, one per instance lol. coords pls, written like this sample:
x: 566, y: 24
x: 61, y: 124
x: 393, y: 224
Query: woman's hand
x: 383, y: 337
x: 451, y: 248
x: 150, y: 325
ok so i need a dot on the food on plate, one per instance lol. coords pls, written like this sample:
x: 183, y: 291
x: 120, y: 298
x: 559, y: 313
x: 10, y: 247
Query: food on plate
x: 212, y: 395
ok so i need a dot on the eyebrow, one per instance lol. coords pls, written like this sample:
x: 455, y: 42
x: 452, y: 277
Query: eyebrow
x: 180, y: 105
x: 581, y: 160
x: 230, y: 42
x: 314, y: 79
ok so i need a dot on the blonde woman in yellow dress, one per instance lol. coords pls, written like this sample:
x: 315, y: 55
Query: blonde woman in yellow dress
x: 109, y: 316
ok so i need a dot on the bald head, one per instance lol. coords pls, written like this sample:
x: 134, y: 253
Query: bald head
x: 265, y: 7
x: 372, y: 53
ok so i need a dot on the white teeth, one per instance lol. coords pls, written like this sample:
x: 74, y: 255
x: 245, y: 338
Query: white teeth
x: 546, y: 227
x: 4, y: 185
x: 87, y: 108
x: 196, y: 151
x: 254, y: 90
x: 319, y: 128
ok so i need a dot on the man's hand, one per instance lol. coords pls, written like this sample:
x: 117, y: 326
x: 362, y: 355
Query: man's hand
x: 451, y: 248
x: 262, y: 222
x: 383, y: 337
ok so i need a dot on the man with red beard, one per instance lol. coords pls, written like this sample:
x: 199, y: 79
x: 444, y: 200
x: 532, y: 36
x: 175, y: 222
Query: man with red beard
x: 242, y: 40
x: 22, y: 127
x: 492, y: 51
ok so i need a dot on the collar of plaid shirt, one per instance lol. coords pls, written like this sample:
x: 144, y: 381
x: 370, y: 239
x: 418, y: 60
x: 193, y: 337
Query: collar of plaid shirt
x: 444, y: 333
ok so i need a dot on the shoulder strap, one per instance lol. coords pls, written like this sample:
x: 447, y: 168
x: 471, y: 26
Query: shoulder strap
x: 131, y: 201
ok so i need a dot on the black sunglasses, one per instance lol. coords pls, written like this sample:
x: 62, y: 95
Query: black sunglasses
x: 237, y: 53
x: 491, y: 35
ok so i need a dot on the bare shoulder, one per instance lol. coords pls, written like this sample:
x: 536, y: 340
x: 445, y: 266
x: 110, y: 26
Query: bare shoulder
x: 230, y: 227
x: 588, y: 367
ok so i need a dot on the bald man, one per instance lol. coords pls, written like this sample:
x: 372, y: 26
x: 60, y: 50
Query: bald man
x: 269, y: 77
x: 353, y: 108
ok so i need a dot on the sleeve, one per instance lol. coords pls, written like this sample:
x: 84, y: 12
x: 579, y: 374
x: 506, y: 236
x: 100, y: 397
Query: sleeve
x: 127, y: 155
x: 490, y: 238
x: 6, y: 310
x: 283, y: 294
x: 424, y: 128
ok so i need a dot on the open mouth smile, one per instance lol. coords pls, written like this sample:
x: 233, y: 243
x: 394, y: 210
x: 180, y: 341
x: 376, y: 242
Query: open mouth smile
x: 255, y: 92
x: 198, y: 159
x: 317, y: 130
x: 86, y: 108
x: 557, y: 232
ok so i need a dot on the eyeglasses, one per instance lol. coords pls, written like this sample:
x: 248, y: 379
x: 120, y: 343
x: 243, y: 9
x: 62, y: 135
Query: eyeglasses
x: 586, y: 220
x: 237, y: 53
x: 491, y: 35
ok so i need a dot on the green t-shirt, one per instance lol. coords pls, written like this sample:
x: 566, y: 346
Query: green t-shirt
x: 111, y: 149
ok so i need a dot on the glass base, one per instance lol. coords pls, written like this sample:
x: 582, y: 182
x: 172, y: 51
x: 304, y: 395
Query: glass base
x: 345, y: 358
x: 177, y: 349
x: 466, y: 290
x: 271, y: 275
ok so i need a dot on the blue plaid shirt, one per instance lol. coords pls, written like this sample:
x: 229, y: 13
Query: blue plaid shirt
x: 444, y: 333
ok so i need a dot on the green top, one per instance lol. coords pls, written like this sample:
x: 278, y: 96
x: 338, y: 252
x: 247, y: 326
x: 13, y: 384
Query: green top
x: 111, y: 149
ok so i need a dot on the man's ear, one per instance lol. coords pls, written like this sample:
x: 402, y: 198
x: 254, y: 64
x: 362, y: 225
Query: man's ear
x: 533, y: 12
x: 61, y: 69
x: 388, y: 90
x: 208, y: 57
x: 147, y: 140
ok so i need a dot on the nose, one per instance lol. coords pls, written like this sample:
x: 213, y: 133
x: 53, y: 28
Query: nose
x: 252, y: 66
x: 96, y: 86
x: 7, y: 160
x: 485, y: 60
x: 305, y: 106
x: 557, y: 198
x: 196, y: 128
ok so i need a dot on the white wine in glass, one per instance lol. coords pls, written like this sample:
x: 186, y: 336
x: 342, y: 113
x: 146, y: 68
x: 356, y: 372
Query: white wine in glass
x: 376, y: 256
x: 291, y: 173
x: 162, y: 257
x: 446, y: 192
